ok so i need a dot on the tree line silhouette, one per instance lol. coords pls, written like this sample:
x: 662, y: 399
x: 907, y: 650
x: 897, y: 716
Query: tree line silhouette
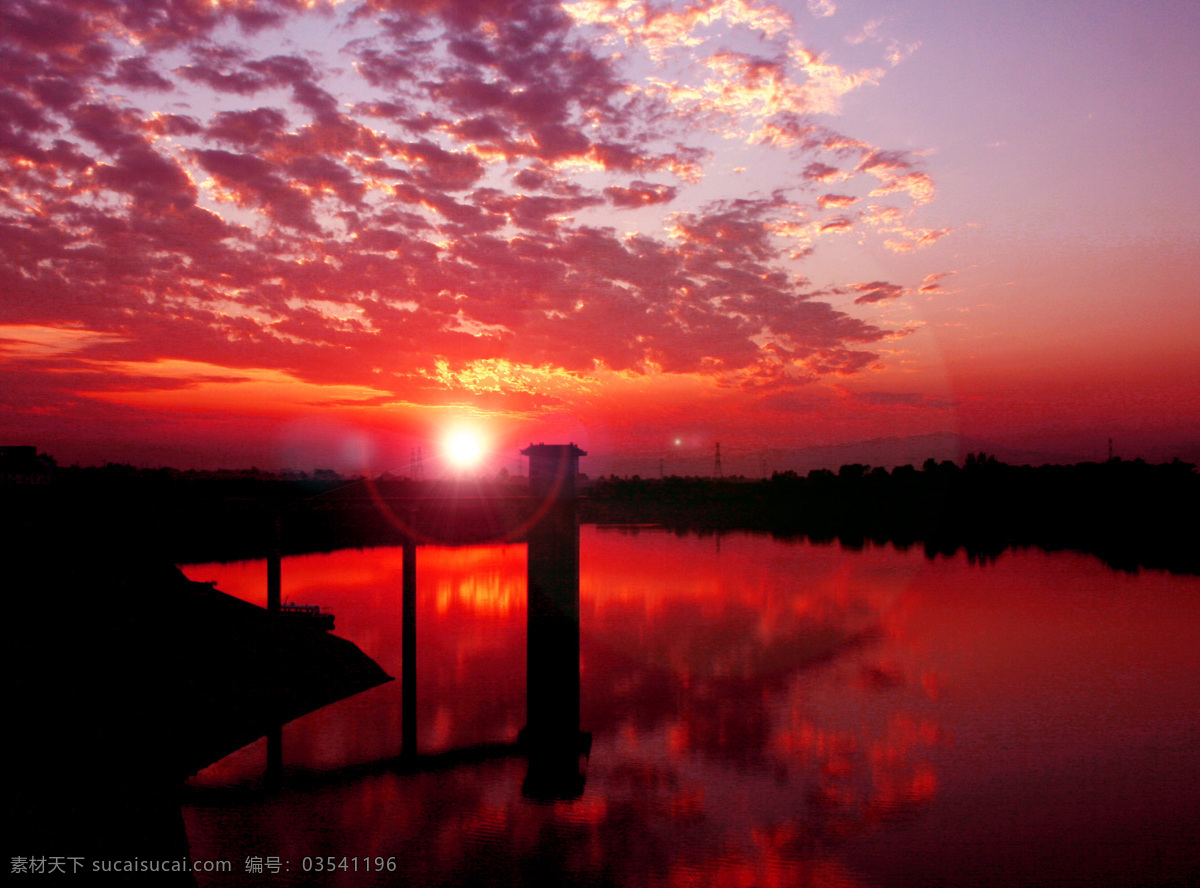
x: 1128, y: 512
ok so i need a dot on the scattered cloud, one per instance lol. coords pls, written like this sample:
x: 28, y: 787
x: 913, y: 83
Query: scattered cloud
x: 447, y: 193
x: 640, y: 194
x: 836, y: 201
x: 32, y: 341
x: 898, y: 52
x: 822, y: 8
x: 876, y: 291
x: 869, y: 32
x: 932, y: 283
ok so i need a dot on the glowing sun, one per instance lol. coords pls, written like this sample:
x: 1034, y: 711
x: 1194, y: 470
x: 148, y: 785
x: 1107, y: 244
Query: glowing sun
x: 464, y: 449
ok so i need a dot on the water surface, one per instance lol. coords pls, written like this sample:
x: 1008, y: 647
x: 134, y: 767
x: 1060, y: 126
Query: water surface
x: 763, y: 713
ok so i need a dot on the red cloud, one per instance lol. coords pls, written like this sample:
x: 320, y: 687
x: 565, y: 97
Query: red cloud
x: 876, y: 291
x: 836, y: 223
x: 137, y: 72
x: 640, y: 194
x: 821, y: 172
x: 255, y: 182
x: 246, y: 128
x: 450, y: 197
x: 836, y: 201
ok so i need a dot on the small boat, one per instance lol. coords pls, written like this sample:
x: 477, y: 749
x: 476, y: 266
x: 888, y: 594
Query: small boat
x: 307, y: 614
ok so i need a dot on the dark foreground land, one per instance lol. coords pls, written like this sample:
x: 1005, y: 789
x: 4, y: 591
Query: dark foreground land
x: 125, y: 678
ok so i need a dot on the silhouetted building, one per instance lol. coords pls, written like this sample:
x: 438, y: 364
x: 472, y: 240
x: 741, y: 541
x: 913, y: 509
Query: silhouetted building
x: 553, y: 468
x: 21, y: 464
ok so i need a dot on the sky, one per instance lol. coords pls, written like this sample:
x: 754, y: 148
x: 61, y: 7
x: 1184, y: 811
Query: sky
x: 306, y: 233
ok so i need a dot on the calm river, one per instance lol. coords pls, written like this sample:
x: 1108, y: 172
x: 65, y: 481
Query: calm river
x: 763, y: 713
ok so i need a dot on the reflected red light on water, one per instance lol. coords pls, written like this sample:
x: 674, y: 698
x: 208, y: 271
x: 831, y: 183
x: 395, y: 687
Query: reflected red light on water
x: 763, y: 713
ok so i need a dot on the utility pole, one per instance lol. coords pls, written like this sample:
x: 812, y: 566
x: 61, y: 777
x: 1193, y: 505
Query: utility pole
x: 717, y: 463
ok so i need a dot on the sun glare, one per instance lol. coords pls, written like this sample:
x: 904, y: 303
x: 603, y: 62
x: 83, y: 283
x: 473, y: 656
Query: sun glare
x: 464, y: 449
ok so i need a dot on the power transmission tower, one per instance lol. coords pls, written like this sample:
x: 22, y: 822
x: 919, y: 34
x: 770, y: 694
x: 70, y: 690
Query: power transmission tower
x: 717, y: 463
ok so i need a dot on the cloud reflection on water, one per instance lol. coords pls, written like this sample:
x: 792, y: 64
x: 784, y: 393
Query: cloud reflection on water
x: 763, y: 713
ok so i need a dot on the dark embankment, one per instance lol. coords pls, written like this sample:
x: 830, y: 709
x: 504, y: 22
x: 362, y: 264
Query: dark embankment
x: 125, y: 678
x: 191, y: 517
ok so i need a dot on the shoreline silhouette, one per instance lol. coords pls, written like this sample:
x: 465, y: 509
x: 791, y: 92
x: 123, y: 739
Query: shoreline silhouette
x: 129, y: 678
x: 1129, y: 513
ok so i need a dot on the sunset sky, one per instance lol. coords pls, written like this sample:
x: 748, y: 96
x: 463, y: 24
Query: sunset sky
x: 302, y: 233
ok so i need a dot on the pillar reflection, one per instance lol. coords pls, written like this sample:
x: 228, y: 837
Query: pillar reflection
x: 408, y: 648
x: 551, y: 739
